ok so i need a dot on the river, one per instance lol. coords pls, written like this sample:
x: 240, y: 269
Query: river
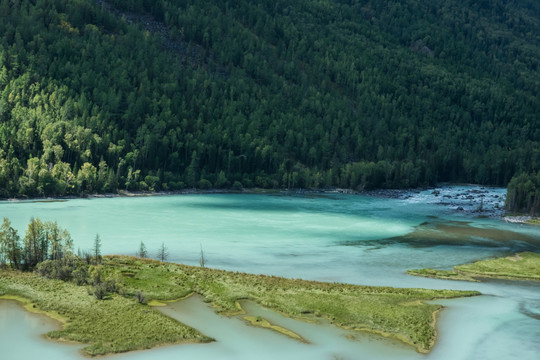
x: 327, y: 237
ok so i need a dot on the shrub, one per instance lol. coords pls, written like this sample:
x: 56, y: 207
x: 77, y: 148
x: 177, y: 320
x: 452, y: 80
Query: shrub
x: 237, y: 185
x: 54, y: 269
x: 80, y: 275
x: 100, y: 291
x: 141, y: 299
x: 204, y: 184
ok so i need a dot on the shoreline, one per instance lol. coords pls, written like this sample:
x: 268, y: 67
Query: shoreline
x: 468, y: 199
x: 28, y: 305
x: 25, y: 303
x: 382, y: 193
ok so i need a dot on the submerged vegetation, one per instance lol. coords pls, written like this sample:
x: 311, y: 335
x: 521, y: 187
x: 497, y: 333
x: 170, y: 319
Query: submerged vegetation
x: 122, y: 323
x: 521, y: 266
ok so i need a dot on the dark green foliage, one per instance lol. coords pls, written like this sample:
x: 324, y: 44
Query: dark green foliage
x: 96, y: 249
x: 75, y: 269
x: 43, y: 241
x: 101, y: 96
x: 80, y: 275
x: 524, y: 194
x: 99, y: 291
x: 140, y: 297
x: 10, y: 246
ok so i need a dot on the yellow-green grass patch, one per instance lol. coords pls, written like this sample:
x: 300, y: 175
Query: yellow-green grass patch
x: 440, y: 274
x: 534, y: 221
x: 399, y: 313
x: 521, y: 266
x: 114, y: 325
x: 262, y: 322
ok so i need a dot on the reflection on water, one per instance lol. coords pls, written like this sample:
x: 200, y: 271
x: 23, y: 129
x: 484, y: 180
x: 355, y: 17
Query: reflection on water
x: 336, y: 238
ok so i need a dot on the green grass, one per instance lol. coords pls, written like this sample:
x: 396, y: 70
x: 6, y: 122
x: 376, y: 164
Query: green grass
x: 114, y: 325
x: 440, y: 274
x: 525, y: 265
x: 521, y: 266
x: 399, y: 313
x: 534, y: 221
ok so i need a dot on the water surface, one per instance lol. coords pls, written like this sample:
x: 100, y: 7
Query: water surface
x: 338, y: 238
x: 21, y: 335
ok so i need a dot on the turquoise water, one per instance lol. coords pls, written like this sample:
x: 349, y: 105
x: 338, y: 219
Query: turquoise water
x: 335, y: 237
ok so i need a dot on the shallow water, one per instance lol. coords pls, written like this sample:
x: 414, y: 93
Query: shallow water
x: 21, y: 335
x: 237, y: 340
x: 342, y: 238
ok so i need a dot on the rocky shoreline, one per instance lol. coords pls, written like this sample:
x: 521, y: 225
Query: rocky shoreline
x: 473, y: 200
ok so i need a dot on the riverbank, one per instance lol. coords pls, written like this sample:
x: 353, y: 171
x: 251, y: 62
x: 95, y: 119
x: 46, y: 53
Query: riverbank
x: 121, y: 324
x: 521, y: 266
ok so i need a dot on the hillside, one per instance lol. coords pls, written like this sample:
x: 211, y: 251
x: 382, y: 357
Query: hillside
x: 98, y: 96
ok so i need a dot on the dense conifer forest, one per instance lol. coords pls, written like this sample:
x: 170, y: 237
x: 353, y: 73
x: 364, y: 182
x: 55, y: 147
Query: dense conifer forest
x: 101, y: 96
x: 524, y: 194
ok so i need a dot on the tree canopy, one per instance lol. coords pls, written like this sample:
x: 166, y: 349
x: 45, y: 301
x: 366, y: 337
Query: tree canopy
x: 100, y: 96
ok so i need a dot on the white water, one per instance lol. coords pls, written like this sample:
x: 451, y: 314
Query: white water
x: 343, y: 238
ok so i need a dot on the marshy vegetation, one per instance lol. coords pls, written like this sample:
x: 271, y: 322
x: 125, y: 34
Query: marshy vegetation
x: 122, y: 322
x: 118, y: 324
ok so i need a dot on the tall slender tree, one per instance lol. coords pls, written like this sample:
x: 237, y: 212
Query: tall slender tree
x: 202, y: 260
x: 143, y: 253
x: 36, y: 245
x: 163, y: 252
x: 10, y: 245
x: 96, y: 249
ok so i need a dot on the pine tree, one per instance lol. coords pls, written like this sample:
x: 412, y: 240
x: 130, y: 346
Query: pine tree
x: 143, y: 253
x: 163, y: 252
x: 96, y: 249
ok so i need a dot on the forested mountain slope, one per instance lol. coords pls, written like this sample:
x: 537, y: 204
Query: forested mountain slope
x: 97, y: 96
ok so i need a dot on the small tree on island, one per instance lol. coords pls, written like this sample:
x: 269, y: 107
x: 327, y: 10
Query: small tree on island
x: 202, y: 260
x: 142, y: 253
x: 163, y: 252
x: 96, y: 250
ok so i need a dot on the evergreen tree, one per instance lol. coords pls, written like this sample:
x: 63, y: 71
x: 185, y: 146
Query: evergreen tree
x: 142, y: 253
x: 96, y: 249
x: 163, y: 252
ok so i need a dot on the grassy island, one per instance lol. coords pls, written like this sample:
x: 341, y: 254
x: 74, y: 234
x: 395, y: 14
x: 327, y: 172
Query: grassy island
x: 533, y: 221
x: 124, y: 323
x: 521, y: 266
